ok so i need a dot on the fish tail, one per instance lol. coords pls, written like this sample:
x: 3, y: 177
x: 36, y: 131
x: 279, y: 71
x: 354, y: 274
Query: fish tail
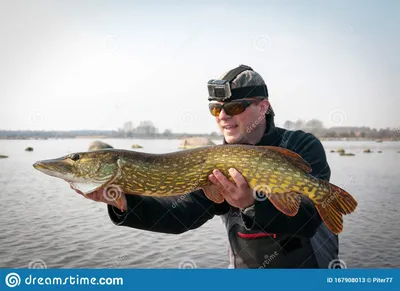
x: 341, y: 200
x: 337, y: 203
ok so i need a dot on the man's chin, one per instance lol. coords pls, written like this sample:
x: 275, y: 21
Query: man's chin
x: 233, y: 139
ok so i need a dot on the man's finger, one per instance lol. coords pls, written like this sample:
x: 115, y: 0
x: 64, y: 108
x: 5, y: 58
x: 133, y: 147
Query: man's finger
x: 238, y: 178
x: 228, y: 185
x: 213, y: 179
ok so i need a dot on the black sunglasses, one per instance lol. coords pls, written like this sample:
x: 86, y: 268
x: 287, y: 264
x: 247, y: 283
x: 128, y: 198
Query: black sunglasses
x: 230, y: 108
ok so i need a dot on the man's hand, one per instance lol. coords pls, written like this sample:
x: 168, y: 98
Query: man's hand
x: 237, y: 194
x: 100, y: 196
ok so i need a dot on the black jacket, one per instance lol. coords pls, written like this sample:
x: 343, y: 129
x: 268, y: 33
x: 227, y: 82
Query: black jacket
x: 270, y: 239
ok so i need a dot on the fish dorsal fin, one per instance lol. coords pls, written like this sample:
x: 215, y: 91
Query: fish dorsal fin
x: 295, y: 158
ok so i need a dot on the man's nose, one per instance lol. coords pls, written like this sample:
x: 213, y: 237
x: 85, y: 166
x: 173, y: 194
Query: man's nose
x: 223, y: 115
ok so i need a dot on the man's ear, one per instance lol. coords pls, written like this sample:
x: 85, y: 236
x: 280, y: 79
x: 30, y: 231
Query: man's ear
x: 264, y: 105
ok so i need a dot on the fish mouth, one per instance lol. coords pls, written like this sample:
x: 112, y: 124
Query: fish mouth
x: 40, y: 166
x: 44, y: 167
x: 55, y: 168
x: 48, y: 165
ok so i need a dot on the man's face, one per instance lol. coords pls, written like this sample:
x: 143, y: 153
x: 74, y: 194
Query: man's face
x: 243, y: 127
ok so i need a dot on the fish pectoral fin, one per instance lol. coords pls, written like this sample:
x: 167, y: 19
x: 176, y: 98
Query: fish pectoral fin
x: 213, y: 193
x: 119, y: 202
x: 286, y: 202
x: 292, y: 156
x: 86, y: 187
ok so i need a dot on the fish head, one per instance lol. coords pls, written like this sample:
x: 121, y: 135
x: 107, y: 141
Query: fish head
x: 84, y: 171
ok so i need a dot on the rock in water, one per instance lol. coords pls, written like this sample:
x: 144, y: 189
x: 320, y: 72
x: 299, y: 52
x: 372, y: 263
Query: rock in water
x: 194, y: 142
x: 99, y: 145
x: 341, y: 151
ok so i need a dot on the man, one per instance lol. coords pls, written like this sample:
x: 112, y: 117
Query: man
x: 260, y: 236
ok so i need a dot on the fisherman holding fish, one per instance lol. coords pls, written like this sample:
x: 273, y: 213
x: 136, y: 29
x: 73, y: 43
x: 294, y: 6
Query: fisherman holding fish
x: 266, y: 228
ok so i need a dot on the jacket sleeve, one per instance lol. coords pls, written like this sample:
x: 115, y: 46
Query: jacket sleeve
x: 168, y: 214
x: 307, y: 220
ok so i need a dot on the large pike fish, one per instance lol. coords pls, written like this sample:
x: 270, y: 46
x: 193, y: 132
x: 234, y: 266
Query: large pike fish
x: 282, y: 175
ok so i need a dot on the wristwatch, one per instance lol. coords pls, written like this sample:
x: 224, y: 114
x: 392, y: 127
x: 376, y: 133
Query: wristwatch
x: 249, y: 211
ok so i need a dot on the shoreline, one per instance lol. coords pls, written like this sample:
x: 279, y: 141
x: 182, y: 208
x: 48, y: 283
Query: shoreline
x: 186, y: 136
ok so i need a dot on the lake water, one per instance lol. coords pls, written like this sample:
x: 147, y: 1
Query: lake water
x: 44, y: 223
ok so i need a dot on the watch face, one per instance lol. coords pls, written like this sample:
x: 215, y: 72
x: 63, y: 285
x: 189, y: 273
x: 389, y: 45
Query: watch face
x: 249, y: 211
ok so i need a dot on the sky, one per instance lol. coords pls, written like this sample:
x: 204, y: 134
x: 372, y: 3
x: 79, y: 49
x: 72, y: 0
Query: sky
x: 70, y: 65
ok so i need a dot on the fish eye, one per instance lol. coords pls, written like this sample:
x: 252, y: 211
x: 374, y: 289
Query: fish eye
x: 75, y: 157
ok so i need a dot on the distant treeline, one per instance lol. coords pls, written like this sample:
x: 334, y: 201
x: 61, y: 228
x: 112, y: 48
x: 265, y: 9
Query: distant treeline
x: 316, y: 127
x: 147, y: 130
x: 32, y: 134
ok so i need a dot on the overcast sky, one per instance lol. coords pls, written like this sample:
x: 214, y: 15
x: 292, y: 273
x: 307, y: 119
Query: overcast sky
x: 96, y: 64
